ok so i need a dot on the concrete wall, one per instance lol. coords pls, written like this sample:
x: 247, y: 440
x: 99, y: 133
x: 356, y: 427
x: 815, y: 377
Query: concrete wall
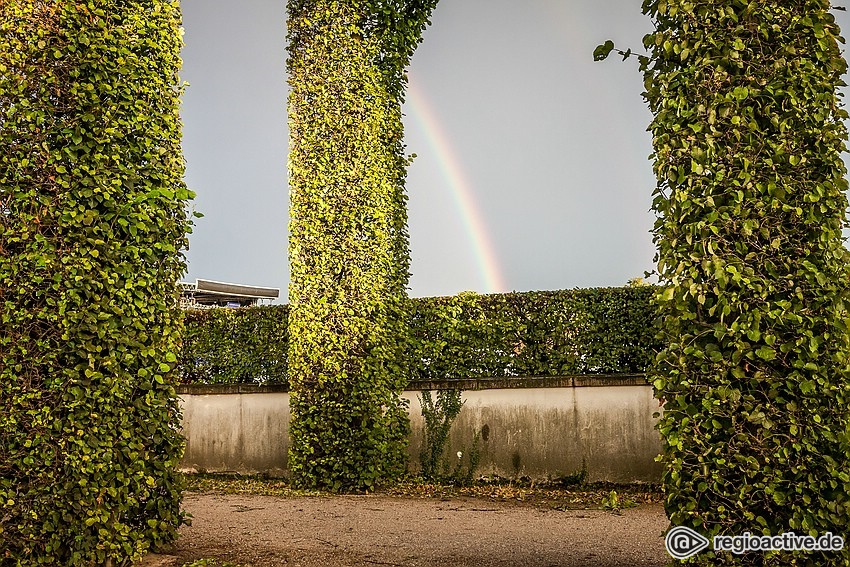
x: 245, y: 433
x: 546, y: 432
x: 536, y: 432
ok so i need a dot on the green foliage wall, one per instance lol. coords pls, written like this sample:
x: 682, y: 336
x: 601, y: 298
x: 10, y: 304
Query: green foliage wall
x: 542, y: 333
x: 751, y: 202
x: 235, y: 346
x: 92, y: 218
x: 348, y: 238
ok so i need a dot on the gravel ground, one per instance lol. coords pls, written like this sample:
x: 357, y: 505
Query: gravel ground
x: 259, y: 531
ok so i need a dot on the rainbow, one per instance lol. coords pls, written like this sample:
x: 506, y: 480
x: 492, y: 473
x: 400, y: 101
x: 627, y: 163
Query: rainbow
x: 460, y: 188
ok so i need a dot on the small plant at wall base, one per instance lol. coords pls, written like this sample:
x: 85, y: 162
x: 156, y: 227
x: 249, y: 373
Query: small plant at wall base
x: 613, y: 502
x: 92, y: 222
x: 575, y: 478
x: 748, y: 135
x: 466, y: 465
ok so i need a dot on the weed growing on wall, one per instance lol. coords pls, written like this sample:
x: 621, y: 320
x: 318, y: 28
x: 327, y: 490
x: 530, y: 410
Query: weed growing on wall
x: 748, y: 134
x: 439, y: 414
x: 348, y: 238
x: 92, y: 221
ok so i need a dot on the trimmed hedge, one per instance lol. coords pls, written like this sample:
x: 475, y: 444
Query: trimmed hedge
x: 348, y: 245
x: 546, y: 333
x: 235, y: 346
x: 92, y: 221
x: 748, y: 135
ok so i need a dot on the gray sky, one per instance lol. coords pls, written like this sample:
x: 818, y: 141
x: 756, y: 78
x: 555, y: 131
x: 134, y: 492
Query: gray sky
x: 531, y: 169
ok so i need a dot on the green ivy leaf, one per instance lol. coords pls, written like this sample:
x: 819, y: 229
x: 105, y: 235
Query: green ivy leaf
x: 602, y: 51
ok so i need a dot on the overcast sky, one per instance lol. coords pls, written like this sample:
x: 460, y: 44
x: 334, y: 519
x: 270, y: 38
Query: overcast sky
x: 531, y: 169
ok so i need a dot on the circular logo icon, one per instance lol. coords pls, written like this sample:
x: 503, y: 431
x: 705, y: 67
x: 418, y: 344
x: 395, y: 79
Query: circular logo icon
x: 683, y: 542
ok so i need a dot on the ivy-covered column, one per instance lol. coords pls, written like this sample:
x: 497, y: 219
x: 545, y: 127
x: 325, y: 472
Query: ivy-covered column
x: 348, y: 239
x: 751, y: 198
x: 92, y: 220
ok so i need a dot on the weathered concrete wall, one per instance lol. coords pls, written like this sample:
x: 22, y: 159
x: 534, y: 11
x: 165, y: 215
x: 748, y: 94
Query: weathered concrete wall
x: 546, y: 432
x: 244, y: 433
x: 536, y: 432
